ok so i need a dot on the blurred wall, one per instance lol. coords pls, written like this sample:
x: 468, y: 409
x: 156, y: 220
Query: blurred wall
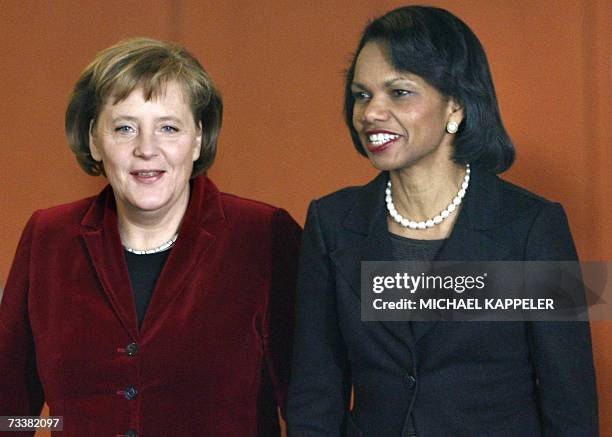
x: 280, y: 66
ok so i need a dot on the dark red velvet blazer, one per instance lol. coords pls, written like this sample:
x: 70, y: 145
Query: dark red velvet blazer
x: 212, y: 356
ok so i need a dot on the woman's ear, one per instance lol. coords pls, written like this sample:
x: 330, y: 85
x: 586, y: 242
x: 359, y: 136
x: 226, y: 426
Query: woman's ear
x: 93, y: 148
x: 456, y: 110
x: 197, y: 149
x: 455, y: 116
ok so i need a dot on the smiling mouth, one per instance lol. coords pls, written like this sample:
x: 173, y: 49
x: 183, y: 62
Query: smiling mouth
x: 380, y: 139
x: 379, y: 142
x: 146, y: 173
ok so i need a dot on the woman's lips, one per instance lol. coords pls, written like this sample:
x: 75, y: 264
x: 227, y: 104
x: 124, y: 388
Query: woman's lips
x: 378, y: 141
x: 147, y: 176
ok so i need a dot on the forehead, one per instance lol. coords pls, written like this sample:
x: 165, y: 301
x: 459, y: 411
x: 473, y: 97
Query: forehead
x: 165, y: 92
x: 373, y: 59
x: 170, y: 94
x: 373, y: 67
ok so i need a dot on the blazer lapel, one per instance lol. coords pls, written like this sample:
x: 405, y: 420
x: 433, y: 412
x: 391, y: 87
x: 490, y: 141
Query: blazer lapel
x: 473, y: 236
x: 369, y: 239
x: 196, y: 237
x: 367, y: 223
x: 103, y: 244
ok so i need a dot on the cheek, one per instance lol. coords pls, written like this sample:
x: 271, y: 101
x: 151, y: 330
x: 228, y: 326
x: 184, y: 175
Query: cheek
x: 436, y: 111
x: 113, y: 162
x: 184, y: 157
x: 356, y: 119
x: 424, y: 119
x: 113, y: 171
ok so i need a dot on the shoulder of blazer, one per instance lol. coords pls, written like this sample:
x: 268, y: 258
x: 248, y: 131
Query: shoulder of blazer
x: 353, y: 208
x: 517, y: 202
x: 62, y: 218
x: 492, y: 202
x: 236, y: 205
x: 252, y: 216
x: 341, y: 200
x: 218, y: 212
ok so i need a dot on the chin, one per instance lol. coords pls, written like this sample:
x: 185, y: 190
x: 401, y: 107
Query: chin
x: 147, y: 208
x: 382, y: 164
x: 148, y: 205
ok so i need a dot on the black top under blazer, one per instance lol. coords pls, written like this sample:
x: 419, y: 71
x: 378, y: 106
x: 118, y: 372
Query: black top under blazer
x: 438, y: 379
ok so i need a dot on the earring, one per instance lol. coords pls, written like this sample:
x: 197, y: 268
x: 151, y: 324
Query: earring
x: 452, y: 127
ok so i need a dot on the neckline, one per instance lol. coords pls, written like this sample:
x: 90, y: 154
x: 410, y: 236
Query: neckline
x: 416, y: 241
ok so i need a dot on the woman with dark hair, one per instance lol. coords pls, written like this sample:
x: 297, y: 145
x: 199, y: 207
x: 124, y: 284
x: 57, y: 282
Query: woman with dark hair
x: 421, y: 106
x: 160, y: 307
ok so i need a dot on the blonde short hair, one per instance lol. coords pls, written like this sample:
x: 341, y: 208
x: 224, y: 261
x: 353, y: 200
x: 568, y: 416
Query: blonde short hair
x: 150, y: 64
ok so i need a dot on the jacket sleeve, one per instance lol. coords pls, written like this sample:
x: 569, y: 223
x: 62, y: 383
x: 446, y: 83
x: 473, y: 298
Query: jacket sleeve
x: 278, y: 322
x: 21, y: 393
x: 320, y: 383
x: 561, y: 351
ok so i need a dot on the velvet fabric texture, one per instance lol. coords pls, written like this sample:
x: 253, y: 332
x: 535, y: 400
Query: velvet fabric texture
x: 434, y: 379
x: 212, y: 355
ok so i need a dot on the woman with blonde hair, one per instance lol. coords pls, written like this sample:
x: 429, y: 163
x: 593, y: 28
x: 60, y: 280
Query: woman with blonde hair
x: 161, y: 306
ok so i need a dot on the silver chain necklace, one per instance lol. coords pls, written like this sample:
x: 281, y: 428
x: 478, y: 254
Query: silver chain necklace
x: 165, y: 246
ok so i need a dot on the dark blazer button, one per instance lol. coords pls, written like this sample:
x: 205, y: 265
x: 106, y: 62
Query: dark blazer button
x: 131, y: 433
x: 131, y: 349
x: 130, y: 393
x: 409, y: 380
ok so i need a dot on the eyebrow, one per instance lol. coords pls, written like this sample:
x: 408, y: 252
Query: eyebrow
x: 169, y: 118
x: 397, y: 79
x: 386, y: 83
x: 131, y: 118
x: 124, y: 117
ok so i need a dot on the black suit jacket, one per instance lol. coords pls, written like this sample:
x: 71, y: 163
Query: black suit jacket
x: 438, y: 378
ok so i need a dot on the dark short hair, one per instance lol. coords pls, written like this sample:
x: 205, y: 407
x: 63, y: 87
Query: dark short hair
x: 150, y: 64
x: 437, y: 46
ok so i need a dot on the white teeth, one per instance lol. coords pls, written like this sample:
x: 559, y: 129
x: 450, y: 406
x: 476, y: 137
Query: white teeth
x: 146, y: 174
x: 380, y: 139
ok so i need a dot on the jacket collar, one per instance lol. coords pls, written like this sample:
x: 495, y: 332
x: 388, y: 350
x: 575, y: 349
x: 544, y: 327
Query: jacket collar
x: 103, y: 243
x: 482, y: 207
x: 204, y: 206
x: 469, y: 240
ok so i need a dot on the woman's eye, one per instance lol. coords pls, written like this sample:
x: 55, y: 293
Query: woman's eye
x: 169, y: 129
x: 359, y: 96
x: 401, y: 92
x: 125, y: 129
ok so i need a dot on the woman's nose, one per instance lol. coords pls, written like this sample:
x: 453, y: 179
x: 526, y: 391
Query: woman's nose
x: 147, y: 145
x: 375, y: 110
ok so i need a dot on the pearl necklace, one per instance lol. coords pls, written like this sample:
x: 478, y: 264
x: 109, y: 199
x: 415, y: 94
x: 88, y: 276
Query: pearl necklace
x: 165, y: 246
x: 437, y: 219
